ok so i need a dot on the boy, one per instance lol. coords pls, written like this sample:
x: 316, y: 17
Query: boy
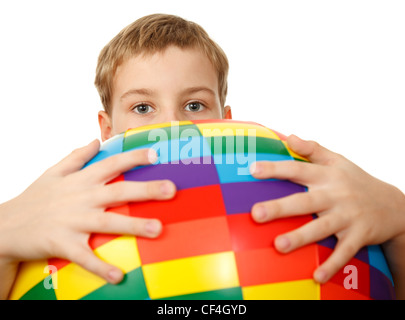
x: 162, y: 68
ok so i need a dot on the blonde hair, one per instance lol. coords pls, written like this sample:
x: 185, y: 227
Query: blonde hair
x: 151, y: 34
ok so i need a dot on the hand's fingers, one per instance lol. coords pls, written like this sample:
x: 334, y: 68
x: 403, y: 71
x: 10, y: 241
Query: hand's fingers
x: 108, y: 169
x: 86, y: 258
x: 296, y: 204
x: 299, y: 172
x: 311, y: 232
x: 122, y: 192
x: 345, y: 249
x: 76, y: 159
x: 113, y: 223
x: 311, y: 150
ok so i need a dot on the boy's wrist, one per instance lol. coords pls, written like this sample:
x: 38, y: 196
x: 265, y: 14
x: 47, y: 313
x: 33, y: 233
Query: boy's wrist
x: 8, y: 266
x: 401, y: 208
x: 8, y: 273
x: 6, y: 248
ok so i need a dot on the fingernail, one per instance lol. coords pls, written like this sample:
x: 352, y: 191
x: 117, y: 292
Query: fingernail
x: 255, y: 168
x: 115, y: 275
x: 260, y: 213
x: 152, y: 156
x: 152, y: 227
x: 296, y: 137
x: 167, y: 188
x: 320, y: 276
x: 282, y: 243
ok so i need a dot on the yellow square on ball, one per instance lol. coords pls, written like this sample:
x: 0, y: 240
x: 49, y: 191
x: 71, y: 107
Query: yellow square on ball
x: 306, y: 289
x: 191, y: 275
x: 73, y: 282
x: 29, y: 275
x: 235, y: 129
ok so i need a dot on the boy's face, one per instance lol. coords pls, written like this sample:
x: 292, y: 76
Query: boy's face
x: 175, y: 85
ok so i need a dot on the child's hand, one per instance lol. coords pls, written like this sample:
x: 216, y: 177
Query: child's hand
x: 354, y: 206
x: 55, y: 216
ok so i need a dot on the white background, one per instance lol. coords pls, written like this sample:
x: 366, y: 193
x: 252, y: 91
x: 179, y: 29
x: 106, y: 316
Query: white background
x: 330, y: 71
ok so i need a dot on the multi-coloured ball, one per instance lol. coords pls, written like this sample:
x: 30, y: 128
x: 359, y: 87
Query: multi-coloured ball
x: 210, y: 247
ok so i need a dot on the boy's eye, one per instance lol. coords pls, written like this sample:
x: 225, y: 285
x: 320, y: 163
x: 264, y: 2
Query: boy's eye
x: 143, y: 108
x: 194, y: 107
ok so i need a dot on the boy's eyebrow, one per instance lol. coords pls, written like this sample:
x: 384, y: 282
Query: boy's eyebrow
x: 198, y: 89
x: 143, y: 92
x: 148, y: 92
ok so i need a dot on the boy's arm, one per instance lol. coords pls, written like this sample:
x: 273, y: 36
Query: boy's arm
x: 357, y: 208
x: 394, y: 250
x: 55, y: 216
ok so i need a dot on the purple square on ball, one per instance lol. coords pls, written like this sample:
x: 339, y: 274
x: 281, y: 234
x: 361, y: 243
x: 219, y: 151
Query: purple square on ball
x: 192, y: 173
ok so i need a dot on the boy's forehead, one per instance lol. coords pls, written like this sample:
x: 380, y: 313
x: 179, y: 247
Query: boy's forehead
x: 172, y: 67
